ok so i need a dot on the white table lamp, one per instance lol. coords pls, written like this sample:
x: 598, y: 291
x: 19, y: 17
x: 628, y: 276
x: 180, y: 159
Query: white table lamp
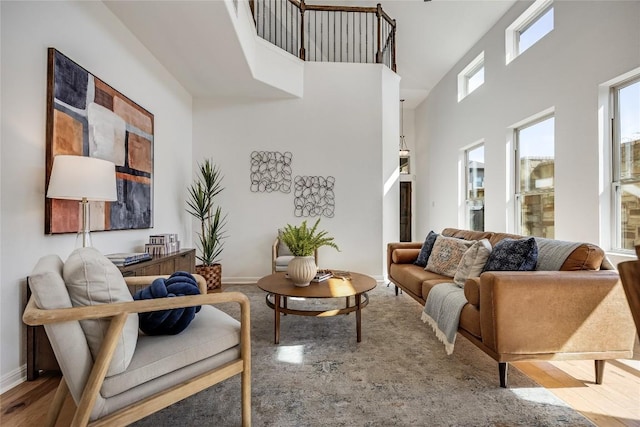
x: 85, y: 179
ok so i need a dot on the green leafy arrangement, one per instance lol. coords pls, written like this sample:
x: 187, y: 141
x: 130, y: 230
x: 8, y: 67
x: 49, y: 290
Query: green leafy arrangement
x: 201, y: 204
x: 303, y: 241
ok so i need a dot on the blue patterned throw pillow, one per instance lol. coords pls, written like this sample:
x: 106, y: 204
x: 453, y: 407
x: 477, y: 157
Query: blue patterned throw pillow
x: 513, y: 255
x: 426, y: 249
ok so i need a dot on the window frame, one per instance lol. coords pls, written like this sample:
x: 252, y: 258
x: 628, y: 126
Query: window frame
x: 467, y: 199
x: 617, y: 242
x: 518, y: 193
x: 467, y: 73
x: 521, y: 24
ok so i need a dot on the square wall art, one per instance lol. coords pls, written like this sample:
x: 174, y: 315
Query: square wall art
x: 314, y: 196
x: 87, y: 117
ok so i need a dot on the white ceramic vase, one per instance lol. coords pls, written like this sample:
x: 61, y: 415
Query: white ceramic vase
x: 301, y: 270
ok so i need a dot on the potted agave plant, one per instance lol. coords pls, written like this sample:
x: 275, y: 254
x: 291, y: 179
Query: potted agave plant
x: 201, y: 203
x: 303, y: 242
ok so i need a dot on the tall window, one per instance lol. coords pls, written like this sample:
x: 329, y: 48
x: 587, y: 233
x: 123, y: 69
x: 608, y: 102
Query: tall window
x: 626, y: 167
x: 474, y: 193
x: 535, y: 178
x: 529, y: 28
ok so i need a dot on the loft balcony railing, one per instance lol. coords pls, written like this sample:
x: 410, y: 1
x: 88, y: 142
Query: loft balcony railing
x: 327, y: 33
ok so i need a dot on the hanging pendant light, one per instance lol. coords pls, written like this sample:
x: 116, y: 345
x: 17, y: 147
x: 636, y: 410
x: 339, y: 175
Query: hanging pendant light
x: 404, y: 151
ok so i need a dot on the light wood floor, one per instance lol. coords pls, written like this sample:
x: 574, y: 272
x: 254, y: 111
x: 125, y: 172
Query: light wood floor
x: 614, y: 403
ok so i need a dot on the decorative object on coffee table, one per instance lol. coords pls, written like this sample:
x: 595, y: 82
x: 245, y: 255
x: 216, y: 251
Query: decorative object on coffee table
x: 303, y: 242
x: 201, y: 202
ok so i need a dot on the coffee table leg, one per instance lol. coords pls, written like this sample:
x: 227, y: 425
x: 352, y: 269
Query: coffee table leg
x: 276, y: 310
x: 358, y: 318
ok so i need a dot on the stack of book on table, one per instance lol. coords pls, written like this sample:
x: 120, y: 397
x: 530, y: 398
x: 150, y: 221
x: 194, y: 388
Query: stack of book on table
x: 162, y: 244
x: 322, y: 275
x: 127, y: 258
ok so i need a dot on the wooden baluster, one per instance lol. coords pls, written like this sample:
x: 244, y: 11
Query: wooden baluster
x: 379, y: 16
x: 303, y: 7
x: 393, y: 41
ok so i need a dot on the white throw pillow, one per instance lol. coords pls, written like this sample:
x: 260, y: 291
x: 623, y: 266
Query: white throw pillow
x: 473, y: 261
x: 446, y: 255
x: 92, y: 279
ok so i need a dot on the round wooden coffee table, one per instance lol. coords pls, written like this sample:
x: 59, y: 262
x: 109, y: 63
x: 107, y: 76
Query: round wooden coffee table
x: 279, y: 288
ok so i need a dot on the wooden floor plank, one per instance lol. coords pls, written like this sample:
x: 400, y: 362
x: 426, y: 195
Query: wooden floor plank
x: 615, y: 403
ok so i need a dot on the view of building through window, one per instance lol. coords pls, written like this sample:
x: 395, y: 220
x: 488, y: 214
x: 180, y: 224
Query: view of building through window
x: 627, y: 141
x: 530, y: 35
x: 535, y: 175
x: 474, y: 159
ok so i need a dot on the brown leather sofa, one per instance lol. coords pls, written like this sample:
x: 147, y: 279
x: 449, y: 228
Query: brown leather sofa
x: 579, y: 312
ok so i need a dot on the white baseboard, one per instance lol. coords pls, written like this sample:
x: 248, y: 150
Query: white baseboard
x: 13, y: 378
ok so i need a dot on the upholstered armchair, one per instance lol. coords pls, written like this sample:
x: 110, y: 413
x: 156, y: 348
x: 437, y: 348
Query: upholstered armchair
x: 281, y: 255
x: 115, y: 374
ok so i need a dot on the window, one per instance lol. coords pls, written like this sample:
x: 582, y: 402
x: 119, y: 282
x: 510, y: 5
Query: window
x: 471, y: 78
x: 535, y: 178
x: 474, y: 192
x: 529, y: 28
x: 626, y: 167
x: 404, y: 165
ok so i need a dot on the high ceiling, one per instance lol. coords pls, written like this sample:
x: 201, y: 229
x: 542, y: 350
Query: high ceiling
x: 431, y: 38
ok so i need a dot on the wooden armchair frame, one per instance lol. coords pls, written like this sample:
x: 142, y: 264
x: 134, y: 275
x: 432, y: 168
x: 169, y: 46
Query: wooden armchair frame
x: 118, y: 312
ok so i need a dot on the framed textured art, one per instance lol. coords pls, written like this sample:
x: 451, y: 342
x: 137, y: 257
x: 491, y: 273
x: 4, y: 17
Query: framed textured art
x: 87, y: 117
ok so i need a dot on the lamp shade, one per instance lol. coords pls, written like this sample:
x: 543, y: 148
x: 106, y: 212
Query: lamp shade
x: 80, y: 177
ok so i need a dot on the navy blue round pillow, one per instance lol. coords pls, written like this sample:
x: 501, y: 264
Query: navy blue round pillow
x: 168, y: 322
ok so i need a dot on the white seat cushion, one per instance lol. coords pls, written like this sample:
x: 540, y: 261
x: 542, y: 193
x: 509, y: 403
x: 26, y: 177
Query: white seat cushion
x: 211, y: 332
x: 282, y: 262
x: 67, y: 338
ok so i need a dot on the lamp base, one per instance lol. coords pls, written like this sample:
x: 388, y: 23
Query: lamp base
x: 83, y: 239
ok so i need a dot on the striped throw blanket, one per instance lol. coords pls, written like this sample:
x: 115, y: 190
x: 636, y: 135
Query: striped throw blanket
x: 442, y: 312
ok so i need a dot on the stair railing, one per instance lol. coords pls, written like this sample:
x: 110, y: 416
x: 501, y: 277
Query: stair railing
x: 327, y: 33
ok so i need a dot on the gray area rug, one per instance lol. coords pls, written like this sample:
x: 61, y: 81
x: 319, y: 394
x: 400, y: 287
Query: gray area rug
x: 399, y: 375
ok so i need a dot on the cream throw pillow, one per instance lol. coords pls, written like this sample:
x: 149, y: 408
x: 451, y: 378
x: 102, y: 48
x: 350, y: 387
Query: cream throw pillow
x: 446, y: 255
x: 92, y: 279
x: 473, y: 262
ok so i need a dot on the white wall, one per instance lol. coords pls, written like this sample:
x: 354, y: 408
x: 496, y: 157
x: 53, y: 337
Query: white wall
x: 592, y: 42
x: 337, y: 129
x: 89, y: 34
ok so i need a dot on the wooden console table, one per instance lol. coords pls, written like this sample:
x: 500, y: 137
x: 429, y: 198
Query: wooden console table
x: 40, y: 355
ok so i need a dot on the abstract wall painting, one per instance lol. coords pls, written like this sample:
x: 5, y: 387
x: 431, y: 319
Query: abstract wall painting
x: 270, y: 171
x: 87, y: 117
x: 314, y: 196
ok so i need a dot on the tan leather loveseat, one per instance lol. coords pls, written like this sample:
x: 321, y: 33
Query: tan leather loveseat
x: 579, y: 312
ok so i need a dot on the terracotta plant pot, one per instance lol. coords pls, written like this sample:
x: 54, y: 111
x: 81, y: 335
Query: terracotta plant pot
x: 213, y: 275
x: 301, y: 270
